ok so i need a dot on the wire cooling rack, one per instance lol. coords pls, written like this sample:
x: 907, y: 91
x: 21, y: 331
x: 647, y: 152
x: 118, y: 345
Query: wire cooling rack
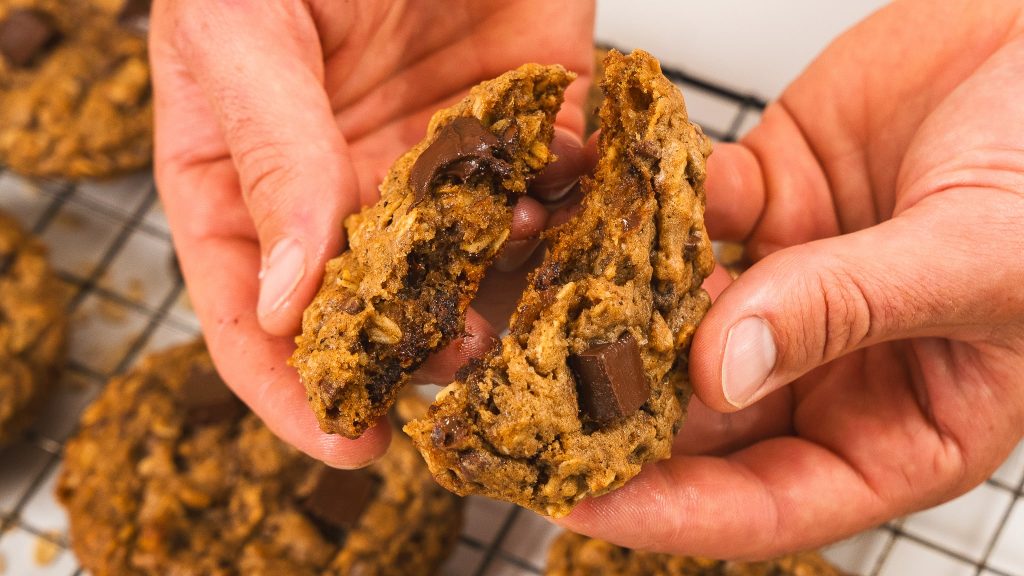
x: 110, y: 245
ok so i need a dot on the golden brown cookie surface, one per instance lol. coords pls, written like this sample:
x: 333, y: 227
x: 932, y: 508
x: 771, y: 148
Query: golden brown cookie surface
x: 171, y: 474
x: 591, y: 383
x: 32, y: 327
x: 75, y: 96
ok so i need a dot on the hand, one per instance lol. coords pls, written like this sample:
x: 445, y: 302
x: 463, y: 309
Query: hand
x: 276, y: 119
x: 875, y: 348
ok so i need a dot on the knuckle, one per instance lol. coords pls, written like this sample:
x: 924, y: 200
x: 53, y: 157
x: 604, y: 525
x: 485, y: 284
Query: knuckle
x: 846, y: 318
x: 265, y: 178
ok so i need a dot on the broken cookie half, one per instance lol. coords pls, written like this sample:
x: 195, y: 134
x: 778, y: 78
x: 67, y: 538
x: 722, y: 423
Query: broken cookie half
x: 591, y: 381
x: 415, y: 259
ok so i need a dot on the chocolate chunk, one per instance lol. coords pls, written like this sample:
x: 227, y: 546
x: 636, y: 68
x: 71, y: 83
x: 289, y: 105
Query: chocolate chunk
x: 25, y: 35
x: 207, y: 399
x: 134, y: 16
x: 462, y: 149
x: 610, y: 380
x: 340, y: 496
x: 448, y: 433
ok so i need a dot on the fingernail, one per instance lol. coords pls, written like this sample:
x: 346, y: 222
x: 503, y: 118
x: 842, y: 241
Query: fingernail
x: 749, y: 359
x: 281, y: 273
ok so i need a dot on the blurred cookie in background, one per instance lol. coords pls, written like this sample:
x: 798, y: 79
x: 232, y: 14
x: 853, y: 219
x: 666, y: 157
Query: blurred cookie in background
x: 171, y: 474
x: 75, y: 96
x: 574, y: 555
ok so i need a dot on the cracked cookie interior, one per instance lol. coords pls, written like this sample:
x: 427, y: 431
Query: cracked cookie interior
x: 591, y: 382
x: 415, y: 258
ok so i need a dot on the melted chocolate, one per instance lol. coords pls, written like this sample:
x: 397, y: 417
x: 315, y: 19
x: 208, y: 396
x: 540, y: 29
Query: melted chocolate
x: 463, y: 149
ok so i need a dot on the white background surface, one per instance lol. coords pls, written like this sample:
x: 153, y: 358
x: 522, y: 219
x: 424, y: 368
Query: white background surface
x: 748, y: 45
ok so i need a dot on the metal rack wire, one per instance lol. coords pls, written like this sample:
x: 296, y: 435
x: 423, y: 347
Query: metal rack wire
x: 499, y: 539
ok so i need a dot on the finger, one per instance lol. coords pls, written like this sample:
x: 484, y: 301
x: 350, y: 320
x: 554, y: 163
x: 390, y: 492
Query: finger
x: 769, y: 191
x: 559, y: 177
x: 810, y: 304
x: 570, y: 206
x: 221, y: 274
x: 735, y: 192
x: 710, y: 432
x: 441, y: 367
x: 282, y: 137
x: 528, y: 220
x: 761, y: 502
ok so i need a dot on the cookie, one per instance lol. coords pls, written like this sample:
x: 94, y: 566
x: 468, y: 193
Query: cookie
x: 592, y: 105
x: 170, y: 474
x: 75, y: 98
x: 33, y: 327
x: 415, y: 259
x: 591, y: 381
x: 574, y: 555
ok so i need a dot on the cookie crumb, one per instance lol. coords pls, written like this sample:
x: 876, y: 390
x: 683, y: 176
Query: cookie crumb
x: 46, y: 551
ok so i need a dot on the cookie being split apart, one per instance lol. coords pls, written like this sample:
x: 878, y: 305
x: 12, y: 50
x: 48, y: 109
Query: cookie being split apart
x: 574, y: 555
x: 169, y: 473
x: 415, y: 259
x: 33, y: 326
x: 75, y: 98
x: 591, y: 382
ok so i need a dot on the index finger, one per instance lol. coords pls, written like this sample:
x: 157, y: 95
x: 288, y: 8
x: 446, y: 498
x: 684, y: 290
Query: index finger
x: 221, y: 273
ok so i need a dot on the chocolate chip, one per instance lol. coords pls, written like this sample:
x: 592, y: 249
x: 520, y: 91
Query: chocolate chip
x: 449, y: 433
x: 25, y: 35
x: 134, y: 16
x: 610, y: 380
x: 207, y: 399
x: 340, y: 496
x: 462, y: 149
x: 474, y: 464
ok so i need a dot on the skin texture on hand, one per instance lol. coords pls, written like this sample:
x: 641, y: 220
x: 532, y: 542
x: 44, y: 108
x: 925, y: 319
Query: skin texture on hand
x: 278, y: 118
x: 882, y: 324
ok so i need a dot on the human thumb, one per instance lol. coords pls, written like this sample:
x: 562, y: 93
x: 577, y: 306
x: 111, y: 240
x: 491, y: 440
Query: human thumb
x: 261, y: 67
x: 809, y: 304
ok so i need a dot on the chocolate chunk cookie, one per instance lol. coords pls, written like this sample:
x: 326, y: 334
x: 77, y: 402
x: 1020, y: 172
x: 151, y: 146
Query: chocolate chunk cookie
x: 591, y: 382
x: 32, y: 327
x: 74, y: 88
x: 575, y: 555
x: 171, y: 474
x: 415, y: 258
